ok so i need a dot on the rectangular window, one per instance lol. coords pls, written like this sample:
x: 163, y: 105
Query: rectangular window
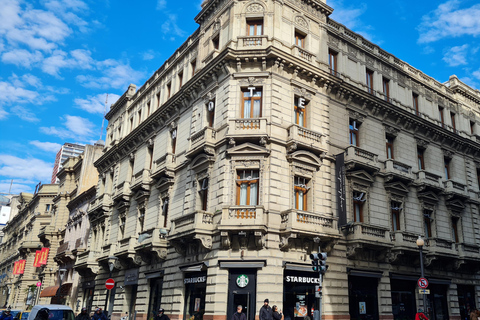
x: 247, y: 187
x: 203, y: 193
x: 427, y: 223
x: 148, y: 108
x: 255, y: 27
x: 47, y: 208
x: 441, y: 117
x: 332, y: 61
x: 251, y: 103
x: 420, y: 157
x: 369, y: 81
x: 389, y: 144
x: 150, y: 157
x: 158, y: 99
x: 386, y: 89
x: 216, y: 43
x: 194, y: 67
x: 169, y: 90
x: 165, y: 211
x: 180, y: 80
x: 446, y: 162
x: 396, y: 210
x: 300, y: 106
x: 415, y: 103
x: 478, y: 177
x: 358, y: 201
x: 211, y: 113
x: 299, y: 40
x: 455, y: 229
x: 354, y: 126
x: 174, y: 140
x: 452, y: 118
x: 472, y: 127
x: 139, y: 116
x: 131, y: 123
x: 300, y: 190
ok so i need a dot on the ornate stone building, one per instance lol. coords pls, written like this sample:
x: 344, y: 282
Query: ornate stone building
x: 274, y: 132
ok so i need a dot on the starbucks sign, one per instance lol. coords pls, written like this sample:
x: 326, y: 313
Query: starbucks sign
x: 242, y: 280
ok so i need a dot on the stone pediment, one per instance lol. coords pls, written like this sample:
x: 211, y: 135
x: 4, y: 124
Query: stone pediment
x: 361, y: 175
x: 455, y: 205
x: 248, y: 148
x: 397, y: 187
x: 429, y: 197
x: 305, y: 157
x: 201, y: 161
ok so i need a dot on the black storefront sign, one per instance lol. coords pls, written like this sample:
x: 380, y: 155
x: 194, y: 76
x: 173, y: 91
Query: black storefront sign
x: 195, y: 292
x: 242, y: 288
x: 131, y: 277
x: 299, y: 294
x: 340, y: 189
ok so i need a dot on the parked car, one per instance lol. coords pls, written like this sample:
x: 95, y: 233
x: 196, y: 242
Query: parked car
x: 56, y: 312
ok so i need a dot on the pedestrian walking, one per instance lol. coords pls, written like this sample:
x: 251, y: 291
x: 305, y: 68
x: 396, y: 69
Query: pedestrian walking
x: 83, y: 315
x: 266, y: 312
x: 277, y: 315
x: 161, y: 315
x: 239, y: 315
x: 99, y: 315
x: 6, y: 315
x: 420, y: 315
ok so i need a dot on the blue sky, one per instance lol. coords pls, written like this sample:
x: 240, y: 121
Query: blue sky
x: 59, y: 59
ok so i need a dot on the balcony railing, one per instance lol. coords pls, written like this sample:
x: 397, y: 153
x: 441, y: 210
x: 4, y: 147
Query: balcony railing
x: 239, y: 216
x: 305, y: 136
x: 369, y: 233
x: 62, y: 248
x: 302, y: 53
x: 248, y: 126
x: 205, y: 136
x: 360, y: 153
x: 308, y: 222
x: 398, y: 168
x: 253, y: 41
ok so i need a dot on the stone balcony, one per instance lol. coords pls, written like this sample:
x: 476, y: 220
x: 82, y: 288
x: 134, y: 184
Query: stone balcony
x: 308, y: 223
x: 125, y: 246
x: 302, y: 53
x: 357, y: 159
x: 86, y: 263
x: 398, y: 170
x: 141, y: 180
x: 193, y: 226
x: 152, y: 242
x: 27, y: 246
x: 371, y: 235
x: 164, y: 166
x: 252, y: 42
x: 205, y: 138
x: 428, y: 180
x: 304, y: 137
x: 103, y: 201
x: 243, y: 218
x: 455, y: 189
x: 64, y: 254
x: 251, y: 127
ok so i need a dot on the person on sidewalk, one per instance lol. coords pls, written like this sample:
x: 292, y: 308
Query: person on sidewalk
x: 266, y: 312
x: 239, y: 315
x: 161, y: 315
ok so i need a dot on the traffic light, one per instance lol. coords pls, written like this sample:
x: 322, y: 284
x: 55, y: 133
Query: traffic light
x: 319, y: 262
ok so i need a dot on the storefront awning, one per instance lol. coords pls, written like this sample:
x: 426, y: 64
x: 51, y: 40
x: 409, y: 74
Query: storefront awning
x: 255, y: 264
x: 195, y: 267
x: 65, y: 289
x: 298, y: 266
x: 364, y: 273
x: 49, y: 292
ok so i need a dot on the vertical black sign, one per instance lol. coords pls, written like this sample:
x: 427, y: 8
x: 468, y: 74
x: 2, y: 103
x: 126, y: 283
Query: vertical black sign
x: 340, y: 189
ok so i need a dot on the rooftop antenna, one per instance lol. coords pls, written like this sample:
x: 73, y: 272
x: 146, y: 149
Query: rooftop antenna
x: 10, y: 189
x: 103, y: 119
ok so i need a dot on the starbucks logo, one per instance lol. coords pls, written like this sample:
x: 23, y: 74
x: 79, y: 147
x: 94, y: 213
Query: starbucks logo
x: 242, y: 280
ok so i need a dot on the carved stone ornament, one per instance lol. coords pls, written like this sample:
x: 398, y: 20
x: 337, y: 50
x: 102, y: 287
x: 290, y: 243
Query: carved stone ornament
x: 225, y: 238
x: 254, y: 8
x: 391, y: 131
x: 356, y: 115
x: 137, y: 259
x: 401, y: 78
x: 369, y: 60
x: 447, y: 153
x: 333, y: 41
x: 422, y: 143
x: 132, y: 156
x: 205, y: 240
x: 352, y: 250
x: 301, y: 22
x: 352, y: 51
x: 259, y: 240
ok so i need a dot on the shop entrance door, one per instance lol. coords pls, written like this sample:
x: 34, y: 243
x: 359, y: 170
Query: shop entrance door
x: 242, y: 284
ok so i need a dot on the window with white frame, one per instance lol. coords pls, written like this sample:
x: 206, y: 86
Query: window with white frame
x: 359, y: 199
x: 247, y: 187
x: 300, y: 191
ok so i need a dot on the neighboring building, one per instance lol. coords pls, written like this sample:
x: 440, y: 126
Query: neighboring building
x: 4, y: 213
x: 221, y: 175
x: 77, y: 180
x: 66, y: 151
x: 21, y: 243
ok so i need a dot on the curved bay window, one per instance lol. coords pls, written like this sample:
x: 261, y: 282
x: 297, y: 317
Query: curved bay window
x: 251, y: 102
x: 300, y: 189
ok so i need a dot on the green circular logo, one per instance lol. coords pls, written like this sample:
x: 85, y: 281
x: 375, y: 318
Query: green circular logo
x: 242, y: 280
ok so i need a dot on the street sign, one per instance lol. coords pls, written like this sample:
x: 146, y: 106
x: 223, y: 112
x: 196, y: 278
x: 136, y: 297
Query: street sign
x: 422, y: 283
x: 109, y: 284
x: 424, y: 291
x: 39, y: 284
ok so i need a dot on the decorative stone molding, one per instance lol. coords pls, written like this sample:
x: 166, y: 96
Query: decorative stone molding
x: 254, y: 8
x: 301, y: 22
x: 370, y: 61
x: 355, y: 115
x: 225, y: 240
x: 205, y: 241
x: 422, y: 143
x: 448, y: 153
x: 392, y: 131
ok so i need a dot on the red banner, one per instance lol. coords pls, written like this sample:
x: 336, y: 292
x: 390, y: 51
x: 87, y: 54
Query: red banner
x: 36, y: 262
x: 19, y: 267
x: 44, y: 256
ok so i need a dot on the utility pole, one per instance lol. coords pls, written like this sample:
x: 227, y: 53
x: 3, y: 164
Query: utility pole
x: 319, y: 264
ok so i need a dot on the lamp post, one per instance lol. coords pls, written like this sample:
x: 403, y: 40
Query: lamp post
x: 61, y: 273
x: 111, y: 264
x: 420, y: 244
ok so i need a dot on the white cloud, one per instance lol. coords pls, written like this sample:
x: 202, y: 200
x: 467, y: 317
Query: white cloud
x: 3, y: 114
x: 22, y: 57
x: 114, y: 75
x: 448, y: 20
x: 349, y: 16
x: 79, y: 59
x: 74, y: 128
x: 170, y: 27
x: 46, y: 146
x: 12, y: 94
x: 17, y: 90
x: 161, y: 4
x: 29, y: 168
x: 96, y: 104
x: 24, y: 114
x: 148, y: 55
x: 456, y: 56
x: 7, y: 186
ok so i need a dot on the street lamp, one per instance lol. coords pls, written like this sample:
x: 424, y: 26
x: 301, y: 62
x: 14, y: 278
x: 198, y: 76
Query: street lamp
x: 420, y: 244
x: 61, y: 273
x: 111, y: 265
